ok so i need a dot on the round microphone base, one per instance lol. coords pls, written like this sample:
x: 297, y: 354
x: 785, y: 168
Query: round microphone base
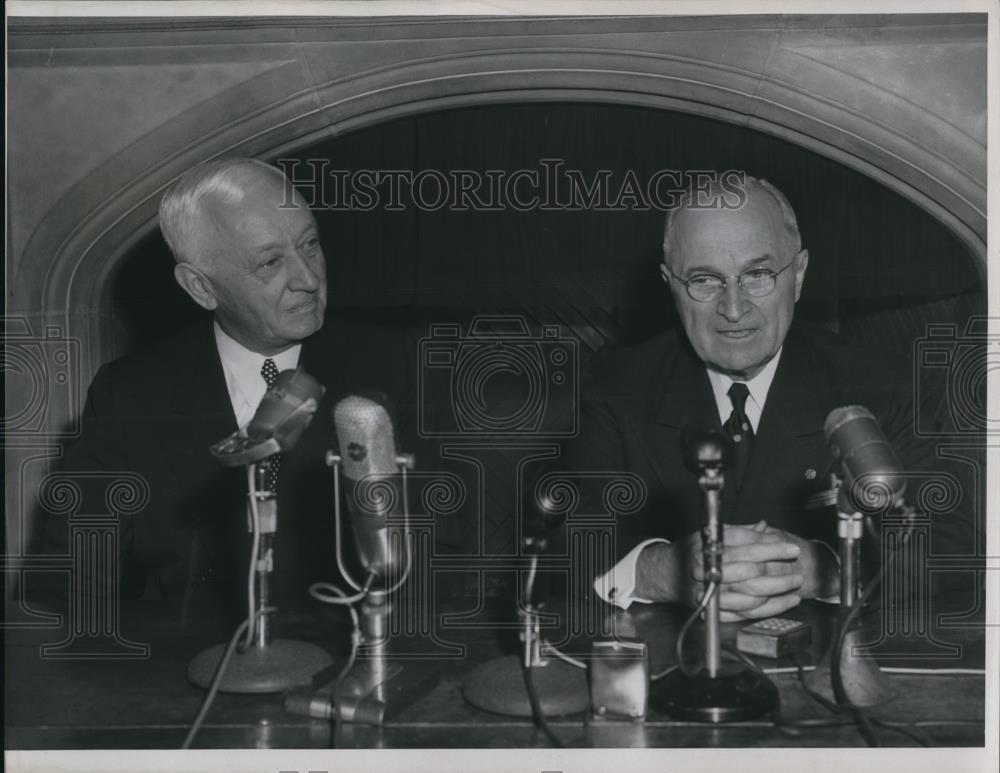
x: 276, y: 667
x: 498, y: 686
x: 734, y: 695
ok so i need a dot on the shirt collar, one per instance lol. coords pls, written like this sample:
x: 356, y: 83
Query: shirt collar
x: 241, y: 367
x: 246, y: 364
x: 758, y: 387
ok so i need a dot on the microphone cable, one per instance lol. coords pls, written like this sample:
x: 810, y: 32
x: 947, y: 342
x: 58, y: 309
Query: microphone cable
x: 843, y: 704
x: 706, y: 597
x: 806, y: 724
x: 328, y: 593
x: 254, y: 547
x: 836, y: 677
x: 220, y: 671
x: 337, y: 541
x: 249, y: 625
x: 537, y: 714
x: 319, y: 592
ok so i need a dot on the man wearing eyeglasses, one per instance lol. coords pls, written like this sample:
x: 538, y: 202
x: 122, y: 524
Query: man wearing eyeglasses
x: 735, y: 274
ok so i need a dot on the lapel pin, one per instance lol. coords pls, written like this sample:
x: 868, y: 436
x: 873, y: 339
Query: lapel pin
x: 810, y: 474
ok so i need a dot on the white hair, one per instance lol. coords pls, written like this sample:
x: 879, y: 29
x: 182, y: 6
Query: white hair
x: 791, y: 226
x: 182, y: 206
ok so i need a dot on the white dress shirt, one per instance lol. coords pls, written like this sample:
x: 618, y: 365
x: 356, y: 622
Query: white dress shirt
x: 242, y: 368
x: 617, y: 585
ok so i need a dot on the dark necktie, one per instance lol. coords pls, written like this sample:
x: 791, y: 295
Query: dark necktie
x: 269, y: 372
x: 740, y: 430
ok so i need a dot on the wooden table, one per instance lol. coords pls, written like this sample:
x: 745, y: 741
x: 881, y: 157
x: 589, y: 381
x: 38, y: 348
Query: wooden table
x: 147, y: 703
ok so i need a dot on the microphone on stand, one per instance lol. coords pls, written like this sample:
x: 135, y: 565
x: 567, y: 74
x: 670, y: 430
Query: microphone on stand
x: 870, y: 483
x: 374, y: 688
x: 718, y: 692
x: 501, y: 685
x: 284, y: 413
x: 372, y: 476
x: 705, y: 452
x: 263, y: 665
x: 872, y: 475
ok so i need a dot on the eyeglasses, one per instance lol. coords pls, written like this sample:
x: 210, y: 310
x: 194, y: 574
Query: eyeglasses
x: 756, y: 282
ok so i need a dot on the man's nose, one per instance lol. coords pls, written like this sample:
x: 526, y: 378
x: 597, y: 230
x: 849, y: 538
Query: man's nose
x: 732, y: 304
x: 304, y: 276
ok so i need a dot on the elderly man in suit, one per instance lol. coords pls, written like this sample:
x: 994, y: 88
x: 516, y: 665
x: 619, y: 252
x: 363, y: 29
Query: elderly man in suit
x: 247, y: 250
x: 735, y: 271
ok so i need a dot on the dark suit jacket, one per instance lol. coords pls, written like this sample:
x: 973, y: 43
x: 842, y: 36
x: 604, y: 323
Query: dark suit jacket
x: 157, y: 412
x: 638, y: 400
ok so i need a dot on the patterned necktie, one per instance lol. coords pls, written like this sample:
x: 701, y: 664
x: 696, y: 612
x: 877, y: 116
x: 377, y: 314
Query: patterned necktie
x: 269, y: 372
x: 740, y: 430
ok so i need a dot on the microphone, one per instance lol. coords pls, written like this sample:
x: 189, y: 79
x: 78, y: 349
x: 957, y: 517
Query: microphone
x: 371, y: 468
x: 873, y: 476
x: 264, y: 664
x: 717, y: 692
x: 284, y: 413
x: 705, y: 447
x: 705, y: 450
x: 872, y: 482
x: 373, y: 688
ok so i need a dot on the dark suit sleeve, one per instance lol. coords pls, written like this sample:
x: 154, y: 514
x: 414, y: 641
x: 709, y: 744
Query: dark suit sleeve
x: 101, y: 445
x: 90, y: 463
x: 596, y: 465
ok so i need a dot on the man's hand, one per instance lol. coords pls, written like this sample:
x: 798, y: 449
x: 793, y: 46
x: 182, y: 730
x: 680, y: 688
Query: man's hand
x: 765, y: 572
x: 816, y: 563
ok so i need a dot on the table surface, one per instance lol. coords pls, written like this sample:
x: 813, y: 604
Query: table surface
x: 58, y: 703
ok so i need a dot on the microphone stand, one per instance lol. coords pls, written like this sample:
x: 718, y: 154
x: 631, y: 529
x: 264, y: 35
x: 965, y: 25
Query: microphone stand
x: 711, y: 483
x: 260, y: 665
x: 374, y: 689
x: 717, y: 692
x: 850, y: 530
x: 856, y: 681
x: 501, y: 685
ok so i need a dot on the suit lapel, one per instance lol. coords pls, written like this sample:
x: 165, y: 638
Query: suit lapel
x: 676, y: 393
x: 200, y: 390
x: 793, y: 410
x: 686, y: 393
x: 200, y: 409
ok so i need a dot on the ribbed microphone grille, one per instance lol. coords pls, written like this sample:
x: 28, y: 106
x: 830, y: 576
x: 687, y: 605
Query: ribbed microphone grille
x: 838, y: 417
x: 365, y: 437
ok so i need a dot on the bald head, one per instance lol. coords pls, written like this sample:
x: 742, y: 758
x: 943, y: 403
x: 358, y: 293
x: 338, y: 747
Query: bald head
x: 780, y: 212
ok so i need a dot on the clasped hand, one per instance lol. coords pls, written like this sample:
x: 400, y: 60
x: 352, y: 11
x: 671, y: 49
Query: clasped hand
x: 765, y: 571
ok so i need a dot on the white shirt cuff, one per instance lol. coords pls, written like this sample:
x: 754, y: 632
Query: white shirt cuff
x: 617, y: 585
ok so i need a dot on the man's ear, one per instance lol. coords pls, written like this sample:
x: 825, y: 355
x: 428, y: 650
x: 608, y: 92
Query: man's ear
x: 801, y: 263
x: 196, y: 285
x: 665, y: 273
